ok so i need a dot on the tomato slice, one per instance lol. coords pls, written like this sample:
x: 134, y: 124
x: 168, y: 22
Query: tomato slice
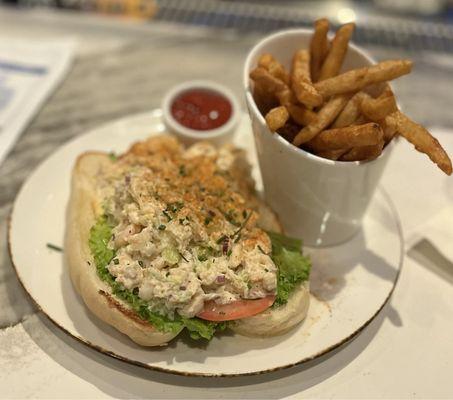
x: 236, y: 310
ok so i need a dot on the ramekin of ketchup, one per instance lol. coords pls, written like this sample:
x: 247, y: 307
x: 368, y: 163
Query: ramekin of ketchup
x: 201, y: 110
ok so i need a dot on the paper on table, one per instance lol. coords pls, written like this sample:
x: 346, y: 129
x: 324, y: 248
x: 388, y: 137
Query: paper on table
x: 422, y: 193
x: 29, y: 72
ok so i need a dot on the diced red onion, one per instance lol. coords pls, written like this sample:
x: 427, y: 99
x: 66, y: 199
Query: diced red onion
x: 225, y: 245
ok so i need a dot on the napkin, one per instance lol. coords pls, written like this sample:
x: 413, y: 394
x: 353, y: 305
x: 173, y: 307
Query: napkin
x: 29, y: 72
x: 422, y: 194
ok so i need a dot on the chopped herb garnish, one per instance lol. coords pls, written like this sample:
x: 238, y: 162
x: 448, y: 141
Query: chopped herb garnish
x: 209, y: 218
x: 230, y: 216
x: 242, y: 226
x: 182, y: 170
x: 221, y: 239
x: 174, y: 207
x: 161, y: 227
x: 181, y: 220
x: 140, y: 262
x: 116, y: 261
x: 169, y: 217
x: 54, y: 247
x: 229, y: 252
x: 244, y: 213
x: 184, y: 258
x: 113, y: 156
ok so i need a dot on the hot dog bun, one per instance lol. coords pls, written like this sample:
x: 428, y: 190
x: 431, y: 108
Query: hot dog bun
x: 84, y: 209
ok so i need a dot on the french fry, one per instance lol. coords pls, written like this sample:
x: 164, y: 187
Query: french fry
x: 264, y: 99
x: 268, y: 82
x: 350, y: 112
x: 363, y: 153
x: 389, y: 131
x: 265, y: 60
x: 356, y: 79
x: 286, y: 96
x: 324, y: 118
x: 332, y: 154
x: 276, y: 118
x: 351, y: 136
x: 334, y: 59
x: 361, y: 120
x: 319, y: 47
x: 300, y: 114
x: 421, y: 139
x: 277, y: 70
x: 301, y: 81
x: 377, y: 109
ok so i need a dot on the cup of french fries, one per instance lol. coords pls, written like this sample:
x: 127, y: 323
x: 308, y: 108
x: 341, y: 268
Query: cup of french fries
x: 325, y: 120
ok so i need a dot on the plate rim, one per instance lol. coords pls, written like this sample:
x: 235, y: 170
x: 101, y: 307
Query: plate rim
x: 101, y: 350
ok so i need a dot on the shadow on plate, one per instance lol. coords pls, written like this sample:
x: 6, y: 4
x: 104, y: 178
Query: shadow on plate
x: 329, y: 272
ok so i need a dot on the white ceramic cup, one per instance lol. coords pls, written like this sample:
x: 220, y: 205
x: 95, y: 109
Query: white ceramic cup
x: 319, y: 200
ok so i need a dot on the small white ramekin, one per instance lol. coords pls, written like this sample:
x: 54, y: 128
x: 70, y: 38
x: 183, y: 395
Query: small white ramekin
x: 218, y: 136
x: 319, y: 200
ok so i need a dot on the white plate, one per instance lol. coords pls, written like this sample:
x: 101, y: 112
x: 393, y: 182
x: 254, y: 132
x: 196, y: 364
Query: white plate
x: 351, y: 282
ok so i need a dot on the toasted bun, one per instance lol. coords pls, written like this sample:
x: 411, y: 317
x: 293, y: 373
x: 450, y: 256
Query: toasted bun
x: 277, y: 321
x: 83, y: 210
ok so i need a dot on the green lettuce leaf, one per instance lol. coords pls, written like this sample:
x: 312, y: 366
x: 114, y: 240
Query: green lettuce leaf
x: 199, y: 328
x: 100, y: 235
x: 293, y: 267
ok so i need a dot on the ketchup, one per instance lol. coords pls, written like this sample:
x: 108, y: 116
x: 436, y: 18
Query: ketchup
x: 201, y: 109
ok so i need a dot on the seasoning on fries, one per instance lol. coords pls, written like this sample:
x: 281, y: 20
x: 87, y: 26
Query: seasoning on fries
x: 334, y: 59
x: 357, y: 79
x: 421, y: 139
x: 319, y: 47
x: 276, y: 118
x: 363, y: 152
x: 336, y: 115
x: 351, y: 112
x: 377, y: 109
x: 351, y: 136
x: 325, y: 116
x: 301, y: 80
